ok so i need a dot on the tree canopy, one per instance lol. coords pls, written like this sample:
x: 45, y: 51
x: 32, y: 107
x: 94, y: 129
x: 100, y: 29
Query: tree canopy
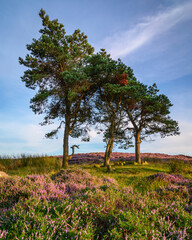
x: 148, y: 113
x: 76, y: 87
x: 56, y: 66
x: 110, y: 77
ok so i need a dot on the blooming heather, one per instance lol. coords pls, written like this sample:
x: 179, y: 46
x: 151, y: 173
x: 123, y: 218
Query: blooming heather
x: 73, y: 204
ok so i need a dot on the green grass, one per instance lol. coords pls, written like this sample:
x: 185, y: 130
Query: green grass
x: 25, y: 164
x: 128, y: 174
x: 125, y: 175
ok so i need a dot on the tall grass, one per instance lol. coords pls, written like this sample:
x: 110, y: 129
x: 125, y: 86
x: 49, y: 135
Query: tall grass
x: 38, y: 162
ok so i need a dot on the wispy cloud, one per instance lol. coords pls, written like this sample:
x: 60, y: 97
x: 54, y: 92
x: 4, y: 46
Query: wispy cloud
x: 127, y: 41
x: 20, y: 137
x: 174, y: 144
x: 17, y: 138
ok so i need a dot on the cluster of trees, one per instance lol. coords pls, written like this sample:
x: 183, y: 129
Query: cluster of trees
x: 80, y: 89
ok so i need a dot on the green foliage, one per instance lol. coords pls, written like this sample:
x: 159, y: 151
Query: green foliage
x: 107, y: 112
x: 176, y: 167
x: 57, y: 70
x: 129, y: 109
x: 148, y: 111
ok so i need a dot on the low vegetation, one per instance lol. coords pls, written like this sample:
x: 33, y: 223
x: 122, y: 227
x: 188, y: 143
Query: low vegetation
x: 148, y: 201
x: 29, y: 164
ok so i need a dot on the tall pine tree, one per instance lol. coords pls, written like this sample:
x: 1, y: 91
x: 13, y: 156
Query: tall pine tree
x: 56, y: 70
x: 110, y: 77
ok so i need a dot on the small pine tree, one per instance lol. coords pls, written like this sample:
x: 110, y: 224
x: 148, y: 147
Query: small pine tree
x: 148, y: 112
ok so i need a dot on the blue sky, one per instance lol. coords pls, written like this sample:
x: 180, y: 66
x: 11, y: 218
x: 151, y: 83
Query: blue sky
x: 152, y: 37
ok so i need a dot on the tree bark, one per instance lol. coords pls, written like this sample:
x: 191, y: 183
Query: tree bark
x: 137, y: 147
x: 66, y: 146
x: 108, y: 152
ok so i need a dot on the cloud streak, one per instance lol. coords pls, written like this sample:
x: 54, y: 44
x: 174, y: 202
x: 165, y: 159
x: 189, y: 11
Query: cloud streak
x: 20, y: 137
x: 26, y: 138
x: 173, y: 144
x: 125, y: 42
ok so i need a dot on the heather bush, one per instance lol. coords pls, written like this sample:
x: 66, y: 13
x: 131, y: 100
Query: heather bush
x: 74, y: 204
x: 12, y: 190
x: 178, y: 166
x: 171, y: 178
x: 109, y: 214
x: 62, y: 185
x: 78, y: 179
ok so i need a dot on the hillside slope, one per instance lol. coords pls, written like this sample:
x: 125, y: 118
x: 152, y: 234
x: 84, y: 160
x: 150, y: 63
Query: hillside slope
x: 97, y: 157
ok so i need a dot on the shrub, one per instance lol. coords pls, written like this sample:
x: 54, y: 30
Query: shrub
x: 151, y: 159
x: 73, y: 204
x: 176, y: 166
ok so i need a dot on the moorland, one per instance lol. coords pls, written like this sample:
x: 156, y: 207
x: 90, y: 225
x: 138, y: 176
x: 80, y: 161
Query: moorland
x: 40, y: 200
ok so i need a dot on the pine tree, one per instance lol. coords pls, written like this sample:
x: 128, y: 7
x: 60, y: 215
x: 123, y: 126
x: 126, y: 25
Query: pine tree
x: 56, y: 69
x: 110, y: 77
x: 148, y: 112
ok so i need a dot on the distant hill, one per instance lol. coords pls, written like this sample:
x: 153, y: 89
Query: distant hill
x: 97, y: 157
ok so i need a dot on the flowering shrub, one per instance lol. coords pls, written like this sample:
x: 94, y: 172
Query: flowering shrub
x: 171, y: 178
x: 73, y: 204
x: 98, y: 157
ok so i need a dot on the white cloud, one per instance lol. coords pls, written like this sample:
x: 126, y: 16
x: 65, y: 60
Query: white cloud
x: 95, y: 137
x: 26, y: 138
x: 17, y: 138
x: 174, y: 144
x: 20, y: 137
x: 126, y: 42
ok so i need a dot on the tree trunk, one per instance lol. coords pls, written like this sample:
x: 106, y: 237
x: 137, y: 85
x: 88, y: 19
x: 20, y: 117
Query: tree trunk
x: 137, y: 147
x: 66, y: 146
x: 108, y: 152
